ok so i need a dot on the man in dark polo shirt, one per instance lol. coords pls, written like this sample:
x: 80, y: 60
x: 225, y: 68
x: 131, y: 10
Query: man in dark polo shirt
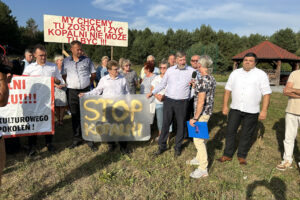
x: 78, y: 72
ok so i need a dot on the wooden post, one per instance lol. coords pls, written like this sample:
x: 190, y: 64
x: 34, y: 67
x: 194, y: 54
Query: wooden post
x: 111, y: 53
x: 277, y: 74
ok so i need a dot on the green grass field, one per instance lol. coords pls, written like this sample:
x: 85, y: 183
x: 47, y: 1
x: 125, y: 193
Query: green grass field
x: 82, y: 174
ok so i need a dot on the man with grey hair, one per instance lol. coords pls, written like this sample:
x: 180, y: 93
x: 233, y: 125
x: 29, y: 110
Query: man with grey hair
x: 177, y: 81
x: 28, y: 57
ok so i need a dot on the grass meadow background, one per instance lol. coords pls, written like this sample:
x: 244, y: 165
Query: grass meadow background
x: 82, y: 174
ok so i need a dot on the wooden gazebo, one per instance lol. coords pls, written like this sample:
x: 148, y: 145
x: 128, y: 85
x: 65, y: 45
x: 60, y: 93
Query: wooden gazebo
x: 274, y: 55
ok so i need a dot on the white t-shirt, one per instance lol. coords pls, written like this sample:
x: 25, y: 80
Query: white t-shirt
x: 247, y: 88
x: 154, y: 83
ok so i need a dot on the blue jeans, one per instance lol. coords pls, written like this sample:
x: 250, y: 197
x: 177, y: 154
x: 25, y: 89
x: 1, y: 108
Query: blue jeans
x: 159, y: 116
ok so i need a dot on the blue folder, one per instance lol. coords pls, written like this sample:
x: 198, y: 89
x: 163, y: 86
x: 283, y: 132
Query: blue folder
x: 199, y: 131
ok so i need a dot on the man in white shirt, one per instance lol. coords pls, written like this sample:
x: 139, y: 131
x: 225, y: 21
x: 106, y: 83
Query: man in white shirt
x: 42, y: 68
x: 246, y: 86
x: 111, y: 85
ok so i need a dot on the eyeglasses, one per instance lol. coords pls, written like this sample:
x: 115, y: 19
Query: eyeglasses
x: 127, y: 65
x: 194, y: 60
x: 163, y: 67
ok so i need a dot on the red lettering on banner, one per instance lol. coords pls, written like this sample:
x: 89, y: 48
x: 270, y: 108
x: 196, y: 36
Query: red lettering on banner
x: 57, y: 32
x: 66, y: 19
x: 69, y: 27
x: 115, y: 36
x: 120, y: 30
x: 79, y: 20
x: 50, y: 31
x: 17, y: 85
x: 22, y: 99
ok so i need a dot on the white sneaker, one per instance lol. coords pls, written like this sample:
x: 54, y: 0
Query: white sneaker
x: 194, y: 161
x: 198, y: 173
x: 284, y: 165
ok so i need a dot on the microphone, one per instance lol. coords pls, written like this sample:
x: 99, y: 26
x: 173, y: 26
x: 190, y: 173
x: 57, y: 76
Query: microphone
x: 194, y: 74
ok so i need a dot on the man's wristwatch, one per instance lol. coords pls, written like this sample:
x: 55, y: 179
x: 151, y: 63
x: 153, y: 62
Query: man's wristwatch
x: 195, y: 119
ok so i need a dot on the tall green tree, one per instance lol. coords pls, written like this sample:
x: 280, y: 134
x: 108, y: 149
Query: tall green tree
x: 9, y: 31
x: 285, y: 38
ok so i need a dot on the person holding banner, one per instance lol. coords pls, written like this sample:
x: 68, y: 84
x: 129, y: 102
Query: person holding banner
x: 78, y: 73
x: 41, y: 68
x: 111, y: 85
x: 177, y: 83
x: 203, y: 107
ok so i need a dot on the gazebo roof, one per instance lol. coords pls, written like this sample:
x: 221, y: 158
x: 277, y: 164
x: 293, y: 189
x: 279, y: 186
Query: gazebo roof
x: 268, y: 51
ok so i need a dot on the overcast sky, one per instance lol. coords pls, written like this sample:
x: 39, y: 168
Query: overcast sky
x: 237, y: 16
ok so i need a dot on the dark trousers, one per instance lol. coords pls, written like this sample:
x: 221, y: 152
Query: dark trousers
x: 74, y: 105
x: 179, y: 109
x: 189, y: 115
x: 32, y: 140
x: 249, y: 124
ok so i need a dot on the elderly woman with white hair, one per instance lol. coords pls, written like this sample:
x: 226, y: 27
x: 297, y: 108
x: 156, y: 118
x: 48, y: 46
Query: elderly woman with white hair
x: 130, y: 76
x: 60, y: 93
x: 203, y: 107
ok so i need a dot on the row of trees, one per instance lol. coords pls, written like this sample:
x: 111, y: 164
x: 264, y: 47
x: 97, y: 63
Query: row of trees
x: 220, y: 45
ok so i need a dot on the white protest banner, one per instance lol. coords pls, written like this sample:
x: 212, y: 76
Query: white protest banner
x: 123, y: 118
x: 62, y: 29
x: 30, y: 108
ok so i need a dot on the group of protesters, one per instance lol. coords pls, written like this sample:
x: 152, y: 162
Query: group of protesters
x: 178, y: 92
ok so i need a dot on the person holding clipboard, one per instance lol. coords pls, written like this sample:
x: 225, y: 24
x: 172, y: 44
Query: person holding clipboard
x: 203, y: 107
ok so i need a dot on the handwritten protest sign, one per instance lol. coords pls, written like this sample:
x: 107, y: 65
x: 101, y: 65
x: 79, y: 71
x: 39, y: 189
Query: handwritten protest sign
x: 123, y: 118
x: 62, y: 29
x: 30, y: 108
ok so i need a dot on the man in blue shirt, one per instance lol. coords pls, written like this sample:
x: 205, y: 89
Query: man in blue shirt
x: 79, y: 73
